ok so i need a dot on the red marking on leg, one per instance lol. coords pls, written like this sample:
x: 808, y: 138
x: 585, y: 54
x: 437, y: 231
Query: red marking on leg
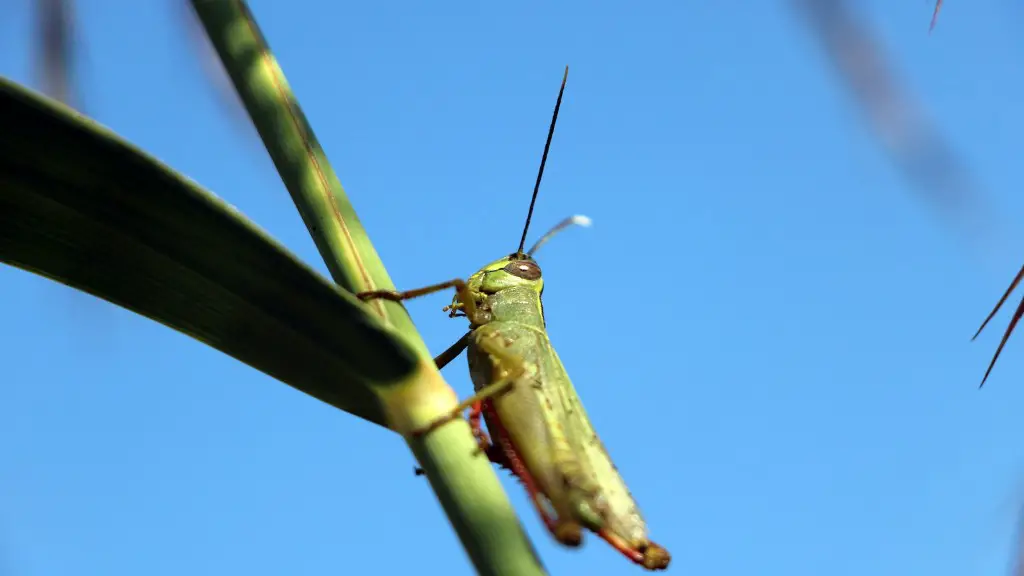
x: 475, y: 412
x: 650, y: 556
x: 493, y: 453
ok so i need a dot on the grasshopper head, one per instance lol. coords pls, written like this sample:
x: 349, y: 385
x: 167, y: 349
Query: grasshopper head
x: 516, y: 269
x: 513, y: 270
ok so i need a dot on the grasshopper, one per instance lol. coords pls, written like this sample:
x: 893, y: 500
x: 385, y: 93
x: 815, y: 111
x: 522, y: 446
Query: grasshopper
x: 540, y: 430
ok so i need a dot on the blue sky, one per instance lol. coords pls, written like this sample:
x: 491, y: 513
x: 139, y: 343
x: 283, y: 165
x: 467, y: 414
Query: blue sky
x: 768, y: 327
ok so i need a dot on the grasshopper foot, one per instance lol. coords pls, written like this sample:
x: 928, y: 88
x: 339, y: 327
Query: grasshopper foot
x: 483, y: 443
x: 647, y: 554
x: 493, y: 453
x: 656, y: 557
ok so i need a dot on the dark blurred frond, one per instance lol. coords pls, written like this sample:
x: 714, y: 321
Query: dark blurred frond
x: 935, y: 15
x: 56, y: 22
x: 913, y: 142
x: 213, y: 68
x: 58, y: 50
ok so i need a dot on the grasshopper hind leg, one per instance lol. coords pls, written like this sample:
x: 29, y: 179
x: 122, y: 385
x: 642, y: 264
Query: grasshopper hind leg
x: 567, y: 532
x: 514, y: 369
x: 483, y: 441
x: 649, y: 555
x: 484, y: 445
x: 501, y: 386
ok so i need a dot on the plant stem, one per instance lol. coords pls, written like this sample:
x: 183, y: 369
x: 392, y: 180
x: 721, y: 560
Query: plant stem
x: 464, y: 483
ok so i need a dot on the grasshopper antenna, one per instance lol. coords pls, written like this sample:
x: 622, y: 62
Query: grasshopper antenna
x: 578, y: 220
x: 543, y: 160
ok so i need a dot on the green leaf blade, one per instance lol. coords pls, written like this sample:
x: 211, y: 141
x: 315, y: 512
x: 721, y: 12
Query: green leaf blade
x: 82, y: 207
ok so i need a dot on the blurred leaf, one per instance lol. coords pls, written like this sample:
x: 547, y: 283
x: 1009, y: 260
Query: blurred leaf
x: 915, y: 145
x: 81, y: 206
x: 213, y: 68
x: 56, y: 49
x: 935, y: 15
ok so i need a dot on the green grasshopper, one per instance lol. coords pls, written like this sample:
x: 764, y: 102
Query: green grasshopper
x: 541, y: 432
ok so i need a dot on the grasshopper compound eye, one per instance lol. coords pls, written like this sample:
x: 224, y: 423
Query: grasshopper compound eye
x: 525, y: 269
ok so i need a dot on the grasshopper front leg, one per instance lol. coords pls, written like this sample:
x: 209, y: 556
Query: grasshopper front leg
x: 466, y: 297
